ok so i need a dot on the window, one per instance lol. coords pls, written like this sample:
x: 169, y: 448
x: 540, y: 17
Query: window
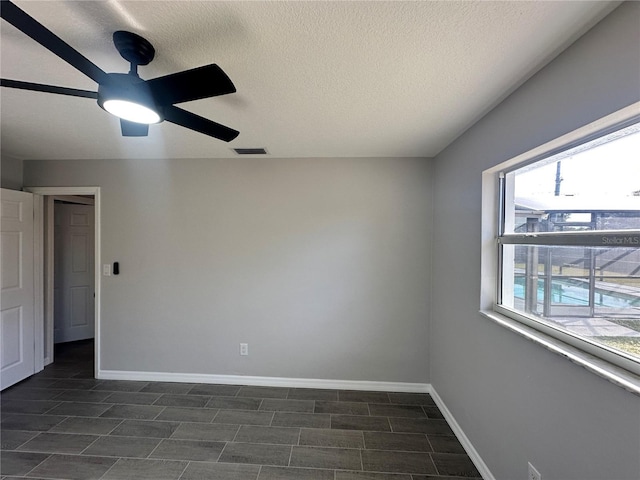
x: 569, y: 244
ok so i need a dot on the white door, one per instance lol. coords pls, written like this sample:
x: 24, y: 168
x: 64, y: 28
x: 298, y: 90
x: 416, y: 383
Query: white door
x: 73, y: 272
x: 17, y: 339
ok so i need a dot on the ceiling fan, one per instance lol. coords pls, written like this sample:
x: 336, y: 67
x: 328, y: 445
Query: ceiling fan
x: 137, y: 102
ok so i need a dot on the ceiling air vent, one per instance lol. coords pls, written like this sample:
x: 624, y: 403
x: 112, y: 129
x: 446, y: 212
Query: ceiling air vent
x: 250, y: 151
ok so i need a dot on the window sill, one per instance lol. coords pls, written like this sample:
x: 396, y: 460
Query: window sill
x: 612, y: 373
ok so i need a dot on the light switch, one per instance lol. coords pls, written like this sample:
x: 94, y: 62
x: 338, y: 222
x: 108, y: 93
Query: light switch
x: 106, y: 269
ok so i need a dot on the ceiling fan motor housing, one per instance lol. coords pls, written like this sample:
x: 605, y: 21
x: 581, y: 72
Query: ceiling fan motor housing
x: 129, y: 88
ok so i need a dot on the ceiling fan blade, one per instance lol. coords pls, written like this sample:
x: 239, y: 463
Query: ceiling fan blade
x: 45, y: 37
x: 39, y: 87
x: 199, y: 124
x: 133, y: 129
x: 202, y: 82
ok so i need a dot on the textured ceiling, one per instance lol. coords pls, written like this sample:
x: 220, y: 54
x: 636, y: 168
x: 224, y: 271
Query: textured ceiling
x: 313, y: 79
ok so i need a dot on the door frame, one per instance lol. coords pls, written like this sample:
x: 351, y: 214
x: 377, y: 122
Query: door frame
x: 44, y: 322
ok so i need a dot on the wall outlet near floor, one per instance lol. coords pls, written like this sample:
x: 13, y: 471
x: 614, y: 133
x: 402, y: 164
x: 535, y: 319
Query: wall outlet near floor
x: 244, y: 349
x: 533, y: 473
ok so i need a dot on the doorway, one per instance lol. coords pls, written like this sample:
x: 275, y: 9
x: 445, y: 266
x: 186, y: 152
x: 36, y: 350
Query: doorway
x: 82, y: 299
x: 73, y: 273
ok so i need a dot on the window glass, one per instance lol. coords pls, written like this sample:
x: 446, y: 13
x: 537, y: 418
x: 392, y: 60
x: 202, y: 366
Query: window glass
x: 570, y: 252
x: 591, y: 187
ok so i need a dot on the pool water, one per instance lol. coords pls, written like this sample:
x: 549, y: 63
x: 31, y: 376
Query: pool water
x: 576, y: 292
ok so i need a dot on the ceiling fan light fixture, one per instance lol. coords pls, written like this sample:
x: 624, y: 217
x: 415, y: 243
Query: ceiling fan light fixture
x: 131, y: 111
x: 128, y: 97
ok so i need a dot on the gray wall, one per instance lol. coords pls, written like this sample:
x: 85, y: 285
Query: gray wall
x: 321, y: 265
x: 10, y: 173
x: 516, y: 401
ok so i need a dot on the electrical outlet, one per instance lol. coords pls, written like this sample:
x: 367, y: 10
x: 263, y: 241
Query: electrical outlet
x: 244, y: 349
x: 533, y: 473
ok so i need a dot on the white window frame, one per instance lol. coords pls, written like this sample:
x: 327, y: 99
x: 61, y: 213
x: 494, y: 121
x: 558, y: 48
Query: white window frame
x: 622, y: 370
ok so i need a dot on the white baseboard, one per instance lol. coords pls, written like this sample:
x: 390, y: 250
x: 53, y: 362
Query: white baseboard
x: 464, y: 440
x: 264, y: 381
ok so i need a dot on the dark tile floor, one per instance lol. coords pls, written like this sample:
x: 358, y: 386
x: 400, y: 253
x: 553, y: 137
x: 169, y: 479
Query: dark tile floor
x: 64, y: 424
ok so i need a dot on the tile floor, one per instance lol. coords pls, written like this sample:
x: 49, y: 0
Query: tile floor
x: 64, y: 424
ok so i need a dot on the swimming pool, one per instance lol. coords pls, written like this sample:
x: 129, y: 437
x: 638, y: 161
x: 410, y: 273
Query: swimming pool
x: 575, y: 292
